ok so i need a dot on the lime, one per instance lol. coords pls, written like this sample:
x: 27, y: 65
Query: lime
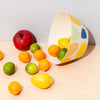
x: 34, y: 47
x: 61, y: 53
x: 31, y: 68
x: 9, y: 68
x: 41, y: 80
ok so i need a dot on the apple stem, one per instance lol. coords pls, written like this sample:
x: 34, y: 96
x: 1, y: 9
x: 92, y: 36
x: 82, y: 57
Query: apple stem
x: 20, y: 34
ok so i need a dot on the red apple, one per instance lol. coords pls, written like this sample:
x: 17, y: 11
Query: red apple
x: 23, y: 39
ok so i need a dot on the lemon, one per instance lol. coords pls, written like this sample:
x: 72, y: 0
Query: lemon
x: 41, y: 80
x: 61, y: 54
x: 63, y: 43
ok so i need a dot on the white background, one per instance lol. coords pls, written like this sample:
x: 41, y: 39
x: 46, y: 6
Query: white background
x: 38, y: 15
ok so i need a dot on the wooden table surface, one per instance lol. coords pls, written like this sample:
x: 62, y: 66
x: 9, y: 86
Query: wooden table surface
x: 78, y: 80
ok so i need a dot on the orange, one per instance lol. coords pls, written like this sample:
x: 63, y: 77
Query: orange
x: 24, y: 57
x: 53, y: 50
x: 39, y: 55
x: 44, y: 65
x: 14, y: 88
x: 1, y: 55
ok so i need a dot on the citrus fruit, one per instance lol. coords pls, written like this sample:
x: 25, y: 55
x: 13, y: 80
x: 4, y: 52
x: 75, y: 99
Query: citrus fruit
x: 31, y: 68
x: 39, y: 55
x: 44, y: 65
x: 41, y: 80
x: 9, y: 68
x: 24, y: 57
x: 69, y: 39
x: 14, y: 88
x: 53, y: 50
x: 1, y: 54
x: 34, y: 47
x: 61, y: 54
x: 63, y: 43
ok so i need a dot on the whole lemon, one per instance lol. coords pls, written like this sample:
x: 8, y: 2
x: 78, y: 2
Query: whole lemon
x: 63, y: 43
x: 41, y: 80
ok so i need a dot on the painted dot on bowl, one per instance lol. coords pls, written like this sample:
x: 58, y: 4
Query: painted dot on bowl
x: 66, y: 60
x: 74, y: 20
x: 81, y: 50
x: 83, y: 34
x: 75, y: 33
x: 72, y: 49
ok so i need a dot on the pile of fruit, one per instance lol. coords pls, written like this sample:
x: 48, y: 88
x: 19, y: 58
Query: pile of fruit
x: 59, y: 50
x: 24, y: 40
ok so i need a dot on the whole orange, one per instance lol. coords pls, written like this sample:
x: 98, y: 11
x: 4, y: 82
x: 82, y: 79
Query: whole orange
x: 24, y: 57
x: 1, y: 55
x: 14, y: 88
x: 53, y: 50
x: 44, y: 65
x: 39, y: 55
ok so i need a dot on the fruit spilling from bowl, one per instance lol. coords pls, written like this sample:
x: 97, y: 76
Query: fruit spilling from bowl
x: 61, y: 53
x: 32, y: 68
x: 67, y: 32
x: 68, y: 40
x: 58, y: 51
x: 24, y: 40
x: 53, y: 50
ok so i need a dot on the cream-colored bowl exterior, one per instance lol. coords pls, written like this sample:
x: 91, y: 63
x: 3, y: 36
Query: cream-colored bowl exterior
x: 66, y: 26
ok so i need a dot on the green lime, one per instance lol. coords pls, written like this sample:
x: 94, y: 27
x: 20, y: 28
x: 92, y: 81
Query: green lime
x: 61, y: 53
x: 34, y: 47
x: 31, y: 68
x: 9, y: 68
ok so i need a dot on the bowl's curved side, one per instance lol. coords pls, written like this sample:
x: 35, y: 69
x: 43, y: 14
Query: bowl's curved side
x: 66, y: 27
x: 78, y: 41
x: 61, y: 28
